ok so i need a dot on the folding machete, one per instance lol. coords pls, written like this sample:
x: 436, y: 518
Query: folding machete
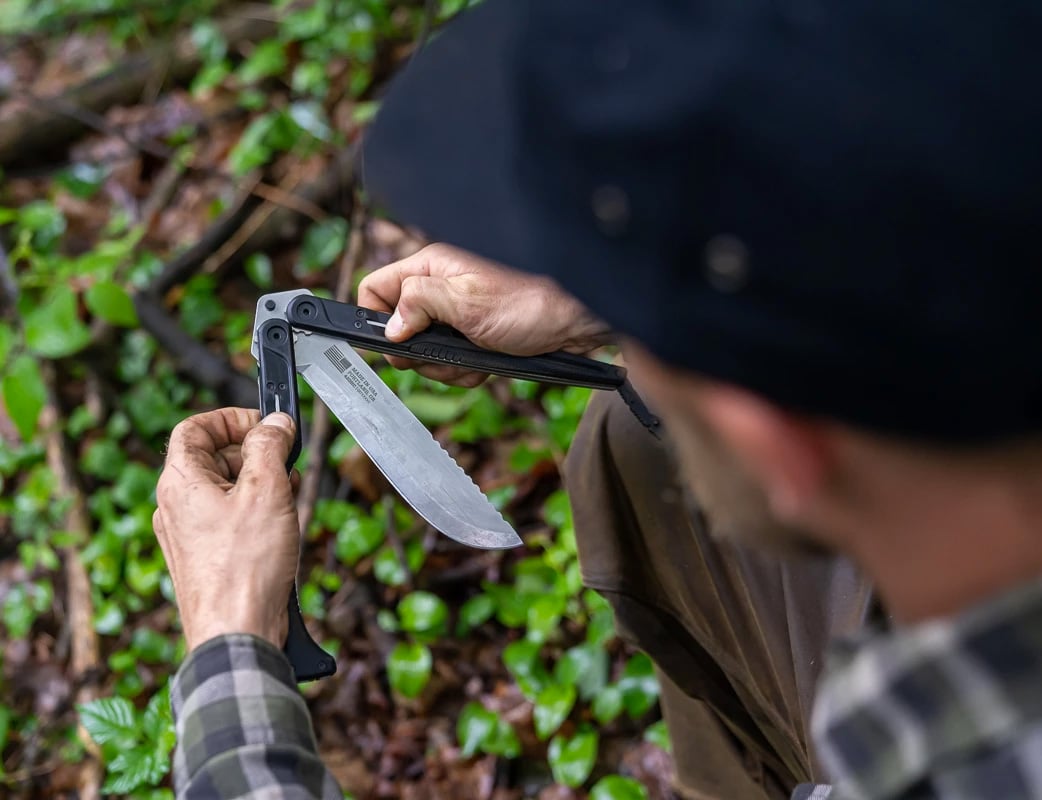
x: 296, y: 332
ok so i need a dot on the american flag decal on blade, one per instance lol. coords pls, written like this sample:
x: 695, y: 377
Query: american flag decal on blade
x: 336, y: 358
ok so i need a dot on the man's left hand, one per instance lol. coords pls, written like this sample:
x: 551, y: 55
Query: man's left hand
x: 227, y: 523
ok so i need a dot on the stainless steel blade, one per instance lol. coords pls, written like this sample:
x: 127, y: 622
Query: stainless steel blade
x: 426, y: 476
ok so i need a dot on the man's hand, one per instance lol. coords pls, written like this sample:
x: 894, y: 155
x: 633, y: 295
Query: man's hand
x: 491, y: 305
x: 227, y: 524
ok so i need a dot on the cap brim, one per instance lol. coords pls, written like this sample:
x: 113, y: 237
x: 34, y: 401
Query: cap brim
x: 438, y: 154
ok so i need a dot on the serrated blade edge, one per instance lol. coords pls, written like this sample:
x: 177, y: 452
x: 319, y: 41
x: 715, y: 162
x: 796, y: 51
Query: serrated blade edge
x: 422, y: 472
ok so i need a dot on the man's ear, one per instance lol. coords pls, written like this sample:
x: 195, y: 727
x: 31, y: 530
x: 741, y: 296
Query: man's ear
x: 787, y: 455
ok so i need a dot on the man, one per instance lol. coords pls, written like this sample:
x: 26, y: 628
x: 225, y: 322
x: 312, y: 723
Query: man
x: 816, y: 223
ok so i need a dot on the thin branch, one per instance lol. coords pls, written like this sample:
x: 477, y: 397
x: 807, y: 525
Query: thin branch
x: 321, y: 425
x: 194, y: 357
x: 183, y: 266
x: 85, y: 657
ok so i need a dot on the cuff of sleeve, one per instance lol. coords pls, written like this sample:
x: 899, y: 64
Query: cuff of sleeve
x: 234, y: 691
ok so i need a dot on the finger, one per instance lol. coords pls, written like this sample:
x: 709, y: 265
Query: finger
x: 264, y: 453
x: 424, y: 299
x: 381, y: 288
x: 229, y: 461
x: 195, y: 442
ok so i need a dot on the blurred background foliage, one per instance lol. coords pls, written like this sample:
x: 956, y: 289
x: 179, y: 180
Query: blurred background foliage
x: 163, y: 164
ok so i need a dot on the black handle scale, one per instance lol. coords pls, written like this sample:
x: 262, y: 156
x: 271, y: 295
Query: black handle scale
x: 365, y: 328
x: 278, y: 392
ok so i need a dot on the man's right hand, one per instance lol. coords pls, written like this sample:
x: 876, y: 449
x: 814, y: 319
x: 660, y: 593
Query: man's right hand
x: 492, y: 305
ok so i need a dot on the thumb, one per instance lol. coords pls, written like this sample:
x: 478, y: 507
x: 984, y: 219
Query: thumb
x: 424, y: 299
x: 265, y: 450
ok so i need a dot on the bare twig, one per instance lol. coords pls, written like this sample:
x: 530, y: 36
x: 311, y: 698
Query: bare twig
x: 187, y: 263
x: 396, y: 541
x: 294, y: 202
x: 193, y: 357
x: 85, y: 659
x: 320, y: 427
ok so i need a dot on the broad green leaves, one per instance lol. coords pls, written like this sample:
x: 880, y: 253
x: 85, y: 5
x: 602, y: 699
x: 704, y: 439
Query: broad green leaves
x: 552, y: 707
x: 323, y: 242
x: 136, y: 744
x: 110, y: 720
x: 409, y: 668
x: 482, y: 731
x: 53, y: 329
x: 616, y: 787
x: 110, y: 301
x: 423, y: 614
x: 24, y: 394
x: 572, y: 759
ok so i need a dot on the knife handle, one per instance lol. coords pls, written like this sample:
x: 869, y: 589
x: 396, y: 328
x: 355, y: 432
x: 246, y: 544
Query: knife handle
x: 364, y: 328
x: 277, y: 385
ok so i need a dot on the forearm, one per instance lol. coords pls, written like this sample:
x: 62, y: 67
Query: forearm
x: 242, y: 727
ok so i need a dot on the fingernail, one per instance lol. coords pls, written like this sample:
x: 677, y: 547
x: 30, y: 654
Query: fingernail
x: 279, y: 420
x: 394, y: 325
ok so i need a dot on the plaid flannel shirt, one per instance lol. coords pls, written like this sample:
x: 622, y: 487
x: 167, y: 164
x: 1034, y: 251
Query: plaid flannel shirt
x: 950, y: 708
x: 243, y: 729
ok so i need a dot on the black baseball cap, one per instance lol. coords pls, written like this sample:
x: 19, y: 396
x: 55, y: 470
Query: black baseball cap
x: 836, y: 205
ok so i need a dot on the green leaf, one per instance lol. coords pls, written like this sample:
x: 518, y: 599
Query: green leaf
x: 423, y: 613
x: 323, y: 242
x: 6, y: 343
x: 200, y: 307
x: 157, y: 719
x: 435, y: 409
x: 24, y: 395
x: 607, y: 705
x: 658, y: 734
x: 259, y: 270
x: 639, y: 685
x: 103, y: 458
x: 44, y: 219
x: 358, y: 537
x: 111, y: 302
x: 409, y: 668
x: 585, y: 667
x: 557, y: 511
x: 543, y: 617
x: 134, y: 486
x: 109, y: 618
x: 616, y: 787
x: 365, y: 111
x: 475, y: 726
x: 5, y: 725
x: 552, y: 707
x: 253, y: 149
x: 82, y: 179
x: 268, y: 58
x: 311, y: 118
x: 601, y: 627
x: 572, y: 760
x: 388, y: 568
x: 132, y: 769
x: 387, y: 620
x: 209, y: 40
x: 110, y: 719
x: 309, y: 77
x: 152, y: 647
x: 343, y: 444
x: 504, y: 741
x: 53, y: 329
x: 476, y: 611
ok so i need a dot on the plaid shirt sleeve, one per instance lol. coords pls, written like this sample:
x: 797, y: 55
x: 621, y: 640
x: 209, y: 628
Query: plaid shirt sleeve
x: 243, y: 729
